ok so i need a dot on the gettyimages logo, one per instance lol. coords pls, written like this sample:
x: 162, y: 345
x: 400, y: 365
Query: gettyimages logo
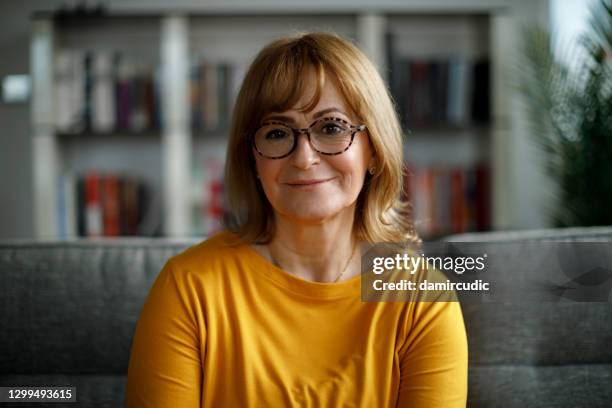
x: 391, y: 272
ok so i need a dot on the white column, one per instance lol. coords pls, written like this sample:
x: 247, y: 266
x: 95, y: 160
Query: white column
x: 176, y: 137
x: 523, y: 193
x: 371, y: 37
x: 503, y: 183
x: 44, y: 144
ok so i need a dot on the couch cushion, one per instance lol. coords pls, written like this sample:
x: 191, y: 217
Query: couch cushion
x: 519, y: 386
x: 539, y: 333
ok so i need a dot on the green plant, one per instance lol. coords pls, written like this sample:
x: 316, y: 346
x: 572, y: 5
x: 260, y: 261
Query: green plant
x: 570, y: 113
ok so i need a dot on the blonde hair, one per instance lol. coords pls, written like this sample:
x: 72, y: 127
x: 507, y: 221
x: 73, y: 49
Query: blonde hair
x: 274, y: 83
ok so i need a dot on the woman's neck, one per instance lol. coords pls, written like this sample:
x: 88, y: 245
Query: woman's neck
x: 321, y: 252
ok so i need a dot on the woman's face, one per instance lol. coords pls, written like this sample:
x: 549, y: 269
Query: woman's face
x: 307, y: 186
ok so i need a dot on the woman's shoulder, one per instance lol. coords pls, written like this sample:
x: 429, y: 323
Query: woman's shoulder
x: 211, y: 253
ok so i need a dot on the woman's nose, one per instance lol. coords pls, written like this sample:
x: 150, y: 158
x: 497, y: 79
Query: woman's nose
x: 304, y: 154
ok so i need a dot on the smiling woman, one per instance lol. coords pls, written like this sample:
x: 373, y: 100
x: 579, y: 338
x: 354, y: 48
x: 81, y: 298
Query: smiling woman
x: 268, y: 312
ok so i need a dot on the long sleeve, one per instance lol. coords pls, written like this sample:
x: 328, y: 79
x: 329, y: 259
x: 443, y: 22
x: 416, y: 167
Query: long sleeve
x: 165, y: 367
x: 434, y: 358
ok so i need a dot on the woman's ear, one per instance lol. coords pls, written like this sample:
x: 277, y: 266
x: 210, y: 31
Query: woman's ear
x: 372, y: 165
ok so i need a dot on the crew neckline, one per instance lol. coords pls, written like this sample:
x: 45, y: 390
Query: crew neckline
x: 299, y: 286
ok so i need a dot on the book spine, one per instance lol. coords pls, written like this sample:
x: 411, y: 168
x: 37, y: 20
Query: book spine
x: 93, y: 205
x: 70, y: 203
x: 103, y: 97
x: 111, y: 205
x: 78, y: 98
x: 88, y: 84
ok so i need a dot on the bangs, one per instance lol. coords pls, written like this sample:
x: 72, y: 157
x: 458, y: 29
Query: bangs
x: 286, y: 80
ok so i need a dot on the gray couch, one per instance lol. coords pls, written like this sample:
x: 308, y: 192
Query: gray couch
x: 69, y: 310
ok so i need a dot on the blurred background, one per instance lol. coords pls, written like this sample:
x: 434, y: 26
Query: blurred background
x: 114, y: 114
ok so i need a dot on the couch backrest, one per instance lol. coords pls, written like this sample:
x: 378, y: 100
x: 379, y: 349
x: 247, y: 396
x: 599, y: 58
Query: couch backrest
x: 66, y: 307
x: 539, y: 353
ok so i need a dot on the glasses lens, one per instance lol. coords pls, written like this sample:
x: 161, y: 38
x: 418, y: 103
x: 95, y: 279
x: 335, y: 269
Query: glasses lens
x: 330, y: 136
x: 274, y: 140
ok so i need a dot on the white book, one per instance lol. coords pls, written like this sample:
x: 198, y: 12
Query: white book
x: 67, y: 207
x: 103, y: 95
x: 93, y: 220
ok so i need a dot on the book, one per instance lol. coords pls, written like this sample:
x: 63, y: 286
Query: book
x: 103, y: 93
x: 111, y: 205
x: 93, y: 205
x: 448, y: 199
x: 67, y: 220
x: 106, y: 204
x: 458, y: 91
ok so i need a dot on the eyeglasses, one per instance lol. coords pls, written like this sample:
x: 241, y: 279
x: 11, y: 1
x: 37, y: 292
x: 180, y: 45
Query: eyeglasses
x: 330, y: 136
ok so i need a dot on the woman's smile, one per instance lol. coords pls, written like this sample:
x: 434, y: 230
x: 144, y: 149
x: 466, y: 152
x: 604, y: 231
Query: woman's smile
x: 308, y: 184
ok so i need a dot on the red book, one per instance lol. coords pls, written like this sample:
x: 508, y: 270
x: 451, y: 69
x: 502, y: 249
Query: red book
x: 111, y: 206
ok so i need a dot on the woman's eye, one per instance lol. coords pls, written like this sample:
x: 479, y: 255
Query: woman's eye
x: 276, y: 134
x: 332, y: 129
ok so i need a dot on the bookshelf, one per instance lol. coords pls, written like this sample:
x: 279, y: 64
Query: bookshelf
x: 180, y: 161
x: 439, y: 76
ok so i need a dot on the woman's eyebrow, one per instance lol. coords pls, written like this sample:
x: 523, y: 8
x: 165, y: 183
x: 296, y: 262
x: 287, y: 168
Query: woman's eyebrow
x: 328, y: 110
x: 315, y: 116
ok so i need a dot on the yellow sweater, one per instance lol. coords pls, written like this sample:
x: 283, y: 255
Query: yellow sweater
x: 224, y: 327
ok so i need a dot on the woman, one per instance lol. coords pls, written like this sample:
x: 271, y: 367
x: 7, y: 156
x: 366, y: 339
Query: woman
x: 268, y: 312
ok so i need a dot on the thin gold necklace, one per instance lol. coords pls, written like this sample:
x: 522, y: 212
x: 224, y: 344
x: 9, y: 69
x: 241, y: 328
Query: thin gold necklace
x: 275, y: 262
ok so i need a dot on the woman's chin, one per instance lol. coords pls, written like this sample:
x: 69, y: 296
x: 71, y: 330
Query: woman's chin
x: 311, y: 215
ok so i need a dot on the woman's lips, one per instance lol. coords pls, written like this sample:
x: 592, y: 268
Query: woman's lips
x: 308, y: 183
